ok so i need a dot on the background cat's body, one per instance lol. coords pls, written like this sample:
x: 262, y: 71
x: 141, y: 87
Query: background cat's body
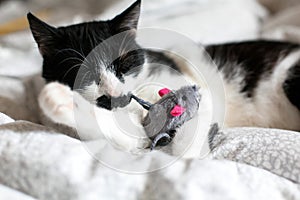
x: 261, y: 79
x: 261, y: 83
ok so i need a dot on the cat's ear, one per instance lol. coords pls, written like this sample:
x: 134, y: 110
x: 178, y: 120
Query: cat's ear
x: 43, y: 33
x: 128, y: 19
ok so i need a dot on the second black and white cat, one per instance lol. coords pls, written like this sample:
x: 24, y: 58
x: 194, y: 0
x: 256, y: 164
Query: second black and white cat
x: 261, y: 79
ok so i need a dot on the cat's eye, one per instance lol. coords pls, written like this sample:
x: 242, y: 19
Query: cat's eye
x: 97, y: 81
x: 184, y: 98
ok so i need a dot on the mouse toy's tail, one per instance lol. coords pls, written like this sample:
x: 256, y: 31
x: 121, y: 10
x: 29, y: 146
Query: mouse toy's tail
x: 143, y: 103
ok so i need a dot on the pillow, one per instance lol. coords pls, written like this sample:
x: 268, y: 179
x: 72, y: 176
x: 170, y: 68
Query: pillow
x: 278, y: 5
x: 277, y: 151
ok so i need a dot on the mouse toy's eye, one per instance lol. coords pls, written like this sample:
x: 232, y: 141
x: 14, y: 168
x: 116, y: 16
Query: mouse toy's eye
x: 184, y: 98
x: 97, y: 81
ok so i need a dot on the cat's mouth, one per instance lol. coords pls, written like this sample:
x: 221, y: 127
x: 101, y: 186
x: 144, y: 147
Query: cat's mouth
x: 104, y: 102
x: 109, y: 102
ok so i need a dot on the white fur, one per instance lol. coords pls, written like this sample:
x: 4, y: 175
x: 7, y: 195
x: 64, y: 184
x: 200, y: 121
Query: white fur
x: 56, y: 101
x: 191, y: 140
x: 110, y: 86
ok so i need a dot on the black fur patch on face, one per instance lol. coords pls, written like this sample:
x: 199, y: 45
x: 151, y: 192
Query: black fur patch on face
x: 291, y: 86
x: 129, y: 63
x: 256, y: 59
x: 65, y: 48
x: 157, y: 59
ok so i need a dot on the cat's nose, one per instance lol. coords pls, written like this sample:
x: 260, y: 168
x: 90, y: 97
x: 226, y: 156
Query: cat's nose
x: 113, y: 92
x: 111, y: 85
x: 112, y: 88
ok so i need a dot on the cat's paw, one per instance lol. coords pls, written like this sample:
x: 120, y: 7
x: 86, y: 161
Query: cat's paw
x: 56, y: 102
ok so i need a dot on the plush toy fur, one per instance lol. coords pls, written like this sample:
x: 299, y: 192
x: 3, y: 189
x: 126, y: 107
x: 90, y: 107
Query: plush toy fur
x: 169, y: 113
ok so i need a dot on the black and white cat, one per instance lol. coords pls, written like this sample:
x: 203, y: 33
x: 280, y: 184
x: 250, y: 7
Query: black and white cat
x: 261, y: 79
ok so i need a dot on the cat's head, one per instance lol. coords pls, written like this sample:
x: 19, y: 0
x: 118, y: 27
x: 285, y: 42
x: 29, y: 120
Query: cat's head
x: 64, y: 49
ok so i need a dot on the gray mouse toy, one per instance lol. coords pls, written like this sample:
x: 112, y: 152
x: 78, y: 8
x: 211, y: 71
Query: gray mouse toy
x: 169, y: 113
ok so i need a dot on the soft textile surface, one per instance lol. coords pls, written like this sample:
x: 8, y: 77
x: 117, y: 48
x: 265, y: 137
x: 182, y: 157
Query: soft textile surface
x: 284, y: 25
x: 46, y: 164
x: 8, y: 193
x: 277, y: 151
x: 278, y: 5
x: 205, y: 21
x: 54, y: 166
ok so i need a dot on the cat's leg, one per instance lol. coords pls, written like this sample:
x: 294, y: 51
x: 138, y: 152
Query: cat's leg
x: 56, y: 102
x: 62, y: 105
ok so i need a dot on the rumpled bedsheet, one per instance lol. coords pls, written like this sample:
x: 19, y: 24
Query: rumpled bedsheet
x: 49, y: 165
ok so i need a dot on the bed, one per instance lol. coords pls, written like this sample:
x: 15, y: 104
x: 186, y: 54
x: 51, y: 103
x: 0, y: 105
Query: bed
x: 40, y: 159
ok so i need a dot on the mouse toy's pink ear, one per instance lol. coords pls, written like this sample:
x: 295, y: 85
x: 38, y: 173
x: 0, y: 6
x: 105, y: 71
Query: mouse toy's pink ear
x: 177, y: 111
x: 163, y: 91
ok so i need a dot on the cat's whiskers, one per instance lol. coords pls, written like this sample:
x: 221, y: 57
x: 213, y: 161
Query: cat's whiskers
x: 83, y: 58
x: 71, y: 58
x: 83, y: 78
x: 121, y: 49
x: 124, y: 46
x: 73, y: 67
x: 73, y: 50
